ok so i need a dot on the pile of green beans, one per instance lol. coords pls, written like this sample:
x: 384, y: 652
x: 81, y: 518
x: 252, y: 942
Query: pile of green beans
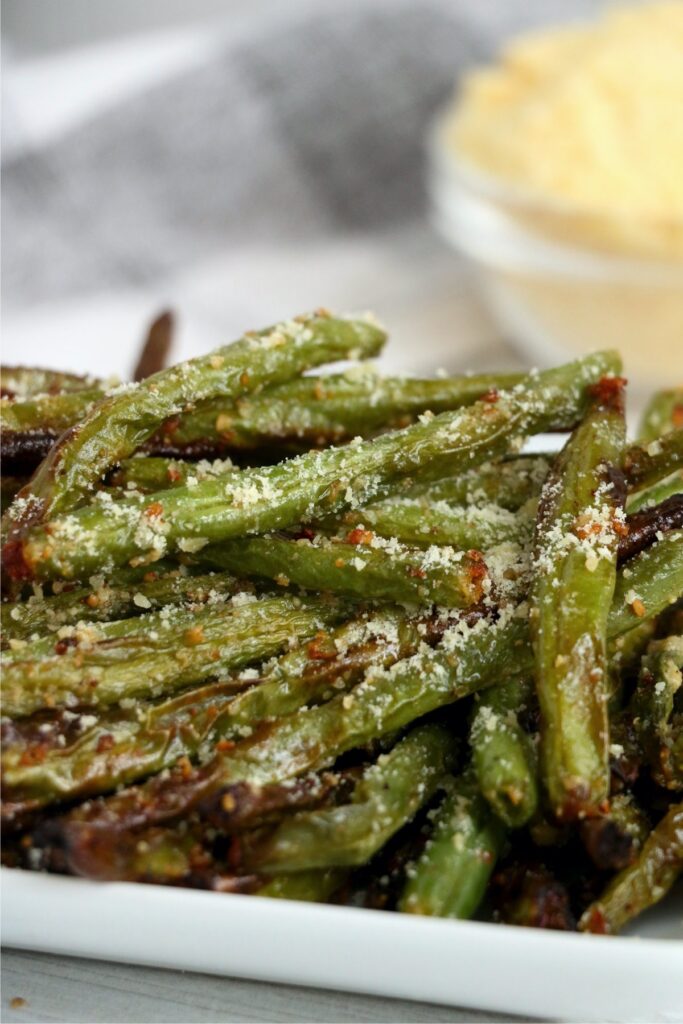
x: 333, y: 637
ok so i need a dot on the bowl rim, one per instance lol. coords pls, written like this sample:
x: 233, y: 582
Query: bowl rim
x: 461, y: 173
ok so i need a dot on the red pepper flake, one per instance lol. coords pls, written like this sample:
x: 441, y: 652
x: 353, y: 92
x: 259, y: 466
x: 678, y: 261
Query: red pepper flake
x: 339, y: 563
x: 491, y: 396
x: 18, y: 1003
x: 596, y: 923
x: 416, y: 572
x: 154, y: 510
x: 104, y: 743
x: 184, y: 766
x: 244, y: 379
x: 174, y: 474
x: 93, y: 601
x: 224, y: 745
x: 228, y: 803
x: 63, y: 645
x: 34, y: 754
x: 321, y: 648
x: 360, y: 536
x: 477, y: 568
x: 621, y: 528
x: 677, y: 416
x: 638, y: 608
x: 171, y: 425
x: 585, y: 526
x: 193, y: 636
x: 609, y: 392
x: 150, y: 577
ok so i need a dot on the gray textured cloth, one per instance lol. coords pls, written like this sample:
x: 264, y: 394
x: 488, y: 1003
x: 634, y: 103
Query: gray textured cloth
x: 305, y: 124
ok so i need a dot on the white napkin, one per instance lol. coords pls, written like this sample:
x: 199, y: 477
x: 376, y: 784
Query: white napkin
x: 242, y: 172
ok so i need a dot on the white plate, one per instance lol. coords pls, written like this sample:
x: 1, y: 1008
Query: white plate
x: 510, y: 970
x: 524, y: 971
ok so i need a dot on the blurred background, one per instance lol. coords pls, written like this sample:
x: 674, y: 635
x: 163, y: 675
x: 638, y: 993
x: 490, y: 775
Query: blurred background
x: 240, y: 161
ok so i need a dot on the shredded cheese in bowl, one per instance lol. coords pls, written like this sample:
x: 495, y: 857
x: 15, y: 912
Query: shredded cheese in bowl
x: 559, y: 170
x: 589, y: 119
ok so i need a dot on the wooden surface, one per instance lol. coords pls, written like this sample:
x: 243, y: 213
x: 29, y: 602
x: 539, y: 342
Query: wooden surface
x: 68, y: 990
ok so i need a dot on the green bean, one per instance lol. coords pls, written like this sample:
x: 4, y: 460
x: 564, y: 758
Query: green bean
x: 303, y: 488
x: 624, y: 654
x: 119, y: 745
x: 327, y: 410
x: 164, y: 652
x: 9, y: 488
x: 664, y: 412
x: 450, y: 878
x: 184, y: 856
x: 101, y: 602
x: 528, y: 894
x: 650, y: 464
x: 30, y: 427
x: 309, y: 411
x: 509, y: 483
x: 78, y: 754
x: 648, y: 584
x: 399, y: 575
x: 388, y: 796
x: 129, y: 415
x: 22, y: 382
x: 150, y: 473
x: 51, y: 414
x: 470, y: 657
x: 502, y: 753
x: 423, y: 522
x: 642, y: 884
x: 652, y: 708
x: 656, y: 494
x: 296, y: 414
x: 575, y: 576
x: 614, y: 840
x: 307, y: 886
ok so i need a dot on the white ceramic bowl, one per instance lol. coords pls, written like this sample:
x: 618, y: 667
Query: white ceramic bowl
x: 562, y: 281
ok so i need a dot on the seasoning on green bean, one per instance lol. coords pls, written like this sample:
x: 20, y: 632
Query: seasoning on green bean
x: 122, y: 421
x: 388, y: 795
x: 102, y: 601
x: 366, y: 569
x: 663, y: 412
x: 580, y: 516
x: 646, y: 465
x: 503, y: 757
x: 450, y: 877
x: 303, y: 488
x: 469, y: 657
x: 652, y: 709
x: 161, y: 653
x: 316, y: 411
x: 116, y: 746
x: 644, y: 883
